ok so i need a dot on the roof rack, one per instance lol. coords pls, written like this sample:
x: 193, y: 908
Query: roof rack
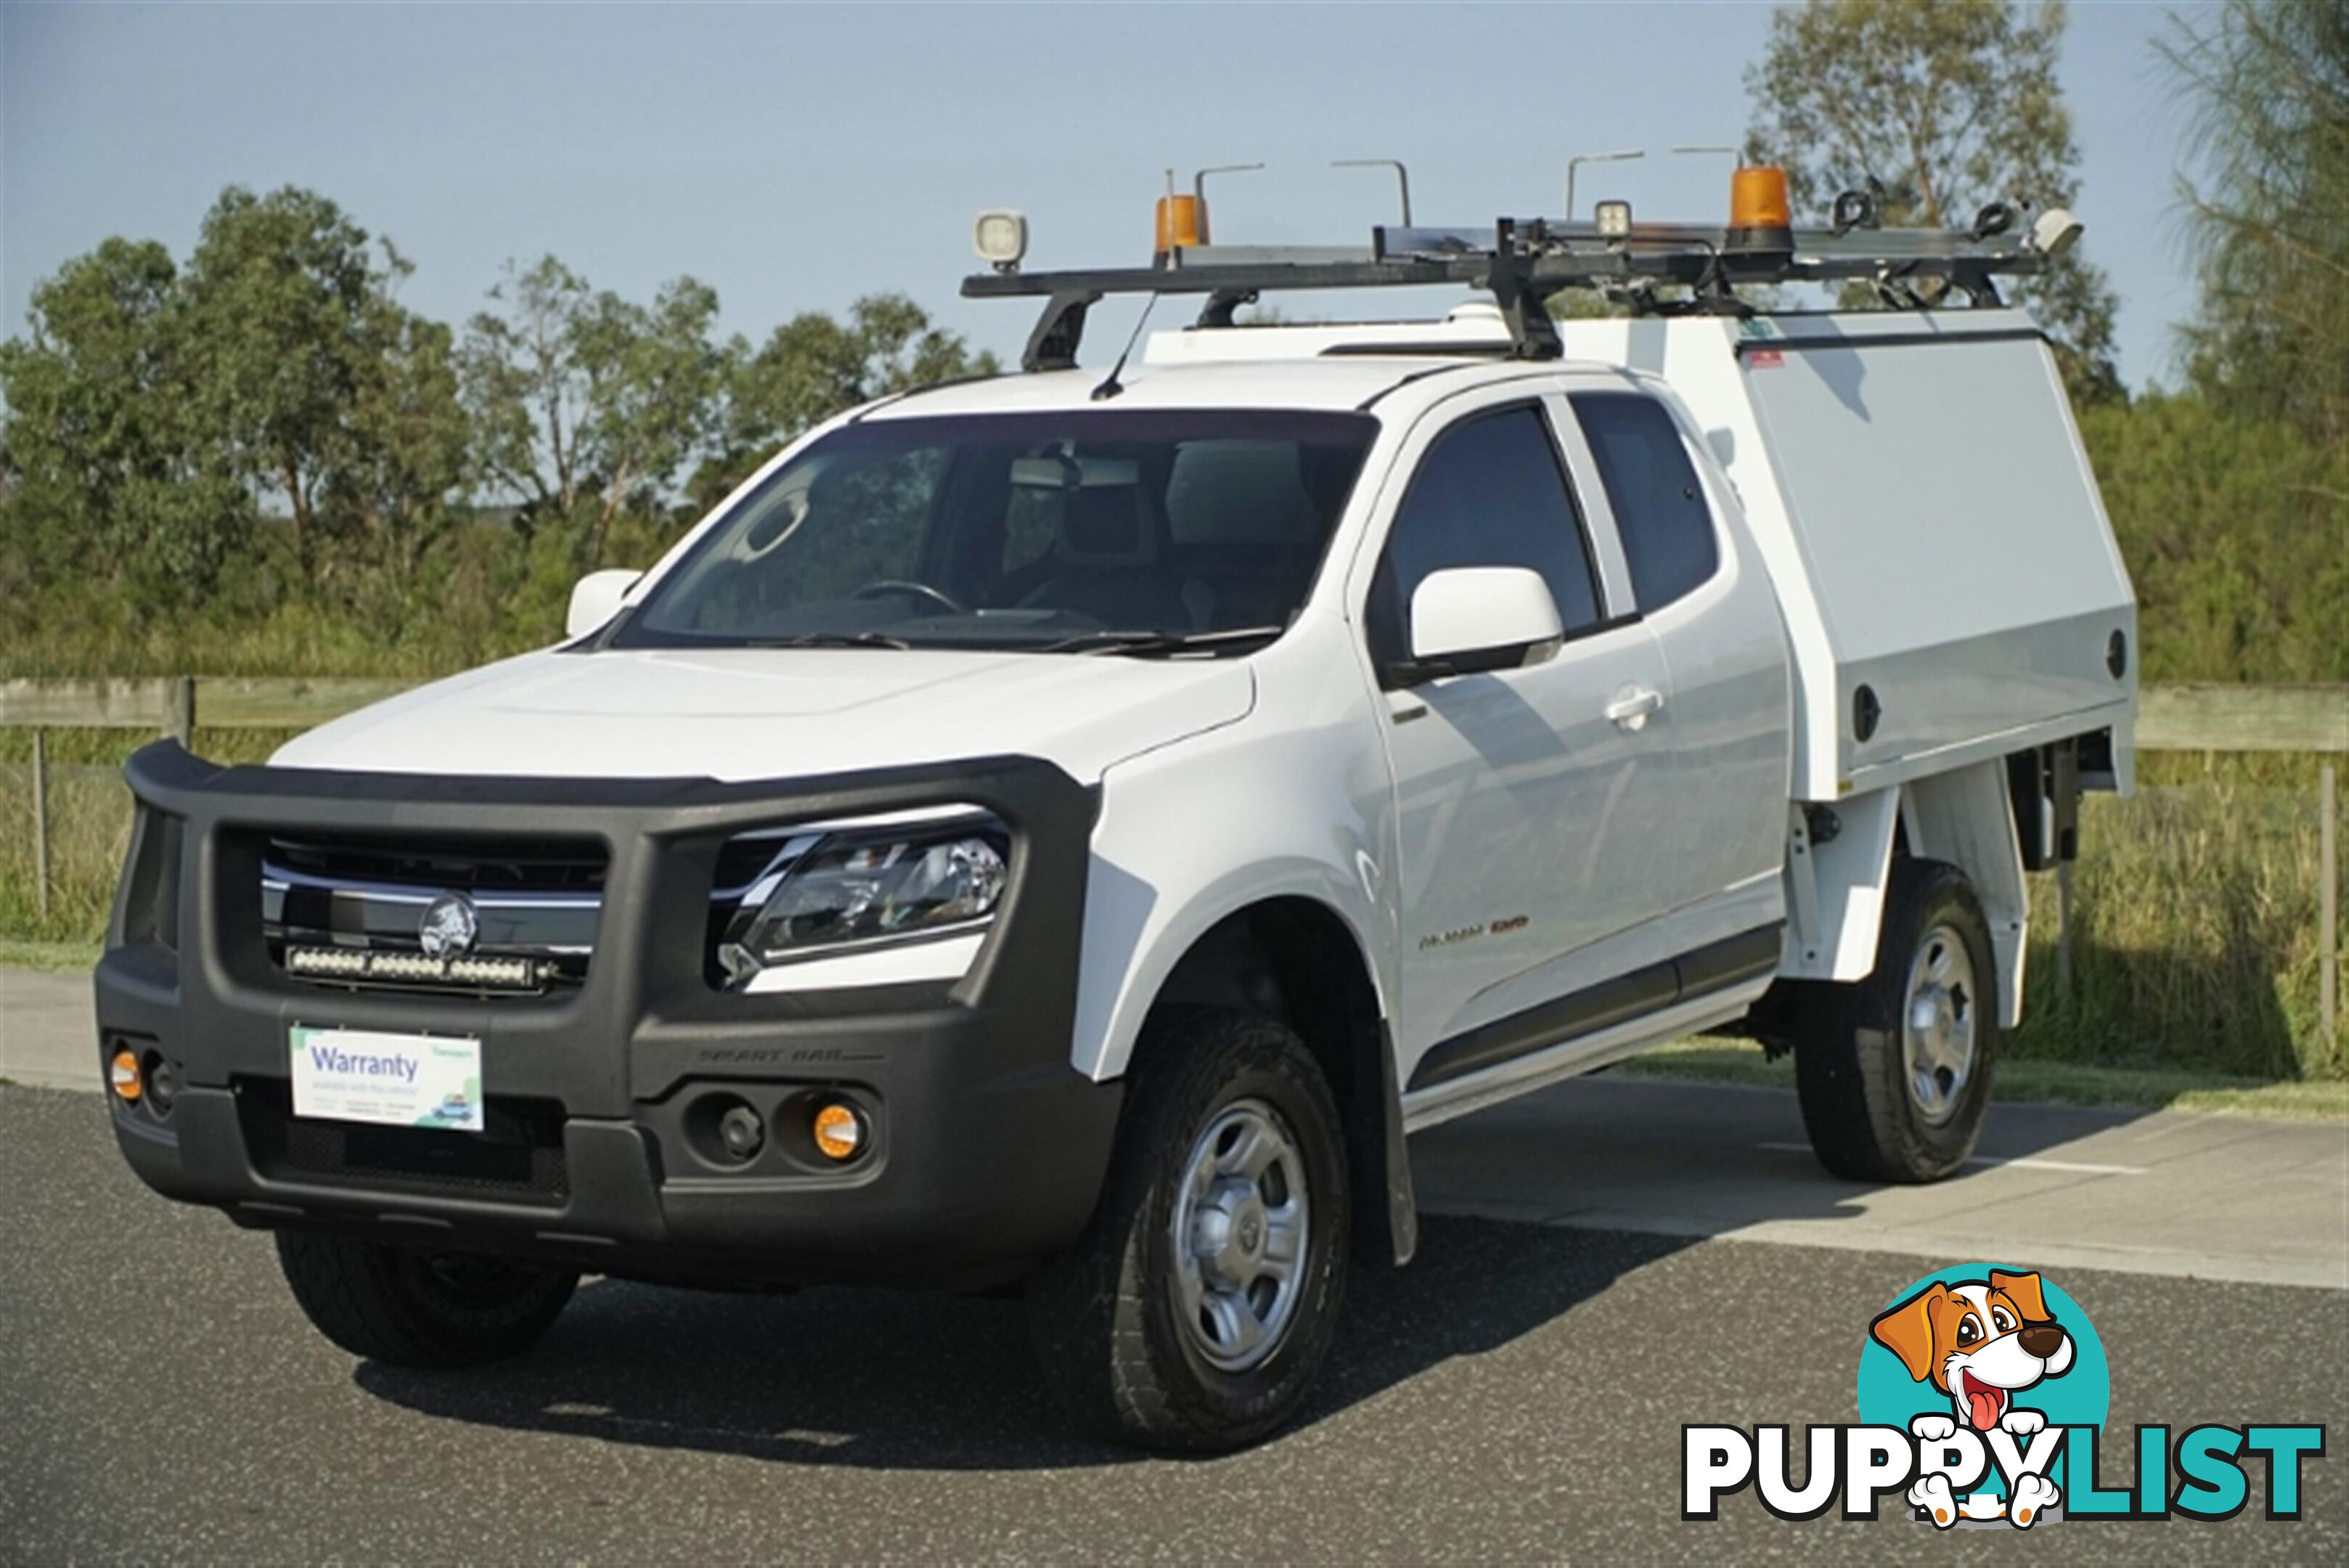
x: 1523, y: 263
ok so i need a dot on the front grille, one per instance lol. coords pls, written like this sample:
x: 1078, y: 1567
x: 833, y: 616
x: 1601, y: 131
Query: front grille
x: 354, y: 908
x: 538, y: 864
x: 518, y: 1155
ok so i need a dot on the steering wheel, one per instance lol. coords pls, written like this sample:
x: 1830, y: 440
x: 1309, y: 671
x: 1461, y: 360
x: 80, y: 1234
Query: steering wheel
x: 905, y: 585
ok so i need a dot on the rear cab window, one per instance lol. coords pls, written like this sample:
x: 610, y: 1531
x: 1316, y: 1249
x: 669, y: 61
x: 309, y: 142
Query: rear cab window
x: 1660, y: 511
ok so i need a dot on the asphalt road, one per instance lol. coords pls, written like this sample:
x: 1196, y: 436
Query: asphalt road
x: 1517, y: 1393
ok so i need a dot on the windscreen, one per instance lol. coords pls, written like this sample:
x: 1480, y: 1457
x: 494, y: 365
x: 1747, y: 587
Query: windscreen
x: 1021, y: 532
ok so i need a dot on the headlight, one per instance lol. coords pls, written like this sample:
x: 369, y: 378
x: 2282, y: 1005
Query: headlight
x: 870, y: 888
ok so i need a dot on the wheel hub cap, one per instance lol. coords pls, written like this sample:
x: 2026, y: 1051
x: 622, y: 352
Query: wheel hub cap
x: 1938, y: 1024
x: 1240, y: 1229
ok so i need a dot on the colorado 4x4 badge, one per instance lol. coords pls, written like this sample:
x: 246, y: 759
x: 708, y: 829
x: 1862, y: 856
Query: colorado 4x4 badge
x: 1983, y: 1391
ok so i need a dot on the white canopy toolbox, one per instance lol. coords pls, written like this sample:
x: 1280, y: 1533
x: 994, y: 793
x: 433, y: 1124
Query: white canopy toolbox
x: 1917, y: 484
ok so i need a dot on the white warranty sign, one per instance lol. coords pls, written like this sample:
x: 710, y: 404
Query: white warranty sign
x: 399, y: 1080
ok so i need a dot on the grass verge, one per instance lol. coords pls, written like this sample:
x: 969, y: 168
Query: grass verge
x: 53, y: 955
x: 1718, y: 1061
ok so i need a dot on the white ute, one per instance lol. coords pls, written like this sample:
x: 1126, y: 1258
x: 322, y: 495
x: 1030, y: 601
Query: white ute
x: 1411, y: 715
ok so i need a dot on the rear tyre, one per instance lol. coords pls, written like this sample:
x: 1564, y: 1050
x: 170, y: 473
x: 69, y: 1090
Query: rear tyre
x: 1196, y: 1311
x: 420, y: 1309
x: 1894, y: 1071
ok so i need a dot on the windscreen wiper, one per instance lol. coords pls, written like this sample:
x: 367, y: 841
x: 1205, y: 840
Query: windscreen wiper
x: 831, y: 639
x: 1112, y: 640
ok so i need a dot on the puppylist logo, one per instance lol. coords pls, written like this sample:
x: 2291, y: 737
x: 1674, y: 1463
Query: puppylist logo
x: 1983, y: 1392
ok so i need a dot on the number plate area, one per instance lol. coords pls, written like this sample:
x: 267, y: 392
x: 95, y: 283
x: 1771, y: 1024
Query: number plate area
x: 392, y: 1080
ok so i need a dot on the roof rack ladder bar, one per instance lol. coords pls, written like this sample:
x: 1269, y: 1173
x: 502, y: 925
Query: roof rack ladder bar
x: 1524, y: 307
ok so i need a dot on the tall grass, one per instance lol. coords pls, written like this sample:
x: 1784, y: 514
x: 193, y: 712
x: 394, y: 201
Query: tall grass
x: 2194, y: 910
x: 2194, y: 928
x: 90, y: 824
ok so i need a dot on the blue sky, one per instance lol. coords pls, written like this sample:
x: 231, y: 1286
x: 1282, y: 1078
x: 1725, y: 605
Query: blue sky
x: 796, y: 157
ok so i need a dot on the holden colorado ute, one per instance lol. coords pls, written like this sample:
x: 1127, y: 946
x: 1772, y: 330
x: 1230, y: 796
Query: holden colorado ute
x: 1064, y: 831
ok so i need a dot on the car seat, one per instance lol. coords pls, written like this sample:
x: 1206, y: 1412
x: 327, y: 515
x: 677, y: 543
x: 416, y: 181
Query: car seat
x: 1243, y: 527
x: 1109, y: 565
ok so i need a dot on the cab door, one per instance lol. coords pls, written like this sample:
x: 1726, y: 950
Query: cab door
x: 1531, y: 821
x: 1698, y: 585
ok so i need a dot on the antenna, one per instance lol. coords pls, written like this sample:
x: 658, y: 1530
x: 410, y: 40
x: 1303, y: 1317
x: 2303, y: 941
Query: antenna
x: 1403, y: 176
x: 1111, y: 386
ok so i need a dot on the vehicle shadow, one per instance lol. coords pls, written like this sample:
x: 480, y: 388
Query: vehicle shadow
x: 903, y: 1380
x: 1695, y: 1158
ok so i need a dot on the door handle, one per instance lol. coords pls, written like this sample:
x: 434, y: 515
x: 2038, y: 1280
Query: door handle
x: 1632, y: 705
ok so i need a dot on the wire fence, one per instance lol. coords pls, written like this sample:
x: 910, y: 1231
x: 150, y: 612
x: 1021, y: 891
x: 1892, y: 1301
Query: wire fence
x: 2204, y: 920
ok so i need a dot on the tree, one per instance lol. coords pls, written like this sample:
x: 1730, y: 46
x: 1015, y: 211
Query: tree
x: 523, y: 393
x: 265, y: 434
x: 158, y: 414
x: 654, y: 381
x: 288, y: 316
x: 814, y: 366
x: 1949, y: 105
x: 2236, y: 532
x: 405, y: 456
x: 112, y: 479
x: 2268, y: 80
x: 585, y: 405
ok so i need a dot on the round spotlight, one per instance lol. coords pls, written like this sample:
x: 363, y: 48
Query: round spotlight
x: 743, y: 1133
x: 122, y: 1077
x: 838, y: 1131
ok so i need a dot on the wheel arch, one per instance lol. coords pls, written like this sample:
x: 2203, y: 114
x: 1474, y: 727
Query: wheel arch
x: 1295, y: 959
x: 1963, y: 819
x: 1839, y: 866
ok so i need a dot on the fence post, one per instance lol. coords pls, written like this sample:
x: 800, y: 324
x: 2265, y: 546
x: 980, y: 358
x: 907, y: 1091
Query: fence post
x: 41, y: 820
x: 2064, y: 930
x: 2328, y: 907
x: 183, y: 710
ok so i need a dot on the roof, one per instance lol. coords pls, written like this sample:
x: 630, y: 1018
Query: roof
x: 1343, y: 383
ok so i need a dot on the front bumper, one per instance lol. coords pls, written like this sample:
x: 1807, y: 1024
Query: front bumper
x: 987, y: 1148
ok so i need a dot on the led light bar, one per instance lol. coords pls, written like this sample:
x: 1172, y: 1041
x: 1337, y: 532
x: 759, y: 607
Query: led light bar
x: 414, y: 968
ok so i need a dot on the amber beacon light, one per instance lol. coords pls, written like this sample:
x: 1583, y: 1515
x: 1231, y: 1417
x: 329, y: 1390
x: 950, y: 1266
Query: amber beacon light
x: 1182, y: 222
x: 1760, y: 217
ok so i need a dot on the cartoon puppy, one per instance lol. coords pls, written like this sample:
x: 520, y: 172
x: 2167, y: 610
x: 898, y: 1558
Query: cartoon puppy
x: 1980, y: 1343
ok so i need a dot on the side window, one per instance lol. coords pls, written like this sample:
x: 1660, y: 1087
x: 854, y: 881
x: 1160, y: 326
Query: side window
x: 1489, y: 493
x: 1660, y: 506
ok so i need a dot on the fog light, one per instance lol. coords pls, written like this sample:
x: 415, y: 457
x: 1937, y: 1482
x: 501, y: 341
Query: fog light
x: 123, y: 1074
x: 839, y: 1131
x: 741, y: 1131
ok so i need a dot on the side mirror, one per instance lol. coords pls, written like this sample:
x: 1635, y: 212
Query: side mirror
x: 1469, y: 618
x: 596, y: 600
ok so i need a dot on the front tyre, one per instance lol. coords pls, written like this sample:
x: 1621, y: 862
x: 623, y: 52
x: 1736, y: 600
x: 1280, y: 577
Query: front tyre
x: 408, y: 1308
x: 1196, y: 1309
x: 1894, y: 1070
